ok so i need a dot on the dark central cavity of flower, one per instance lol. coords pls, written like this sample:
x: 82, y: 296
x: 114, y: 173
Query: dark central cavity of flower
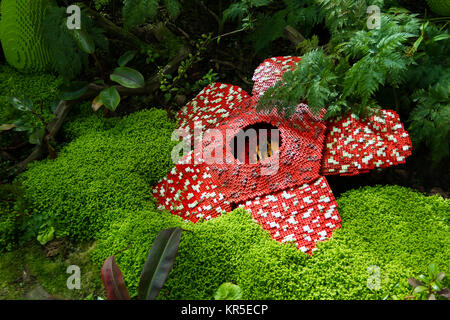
x: 256, y: 142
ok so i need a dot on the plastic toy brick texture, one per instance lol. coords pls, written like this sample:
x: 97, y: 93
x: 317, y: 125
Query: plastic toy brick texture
x: 20, y: 34
x: 286, y: 191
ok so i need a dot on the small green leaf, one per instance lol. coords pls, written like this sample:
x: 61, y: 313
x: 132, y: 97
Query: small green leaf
x: 228, y: 291
x: 420, y: 289
x: 22, y: 125
x: 440, y: 276
x: 84, y: 41
x: 110, y: 98
x: 97, y: 103
x: 128, y: 77
x: 126, y: 57
x: 433, y: 270
x: 36, y: 136
x: 21, y: 105
x: 436, y: 287
x: 73, y: 91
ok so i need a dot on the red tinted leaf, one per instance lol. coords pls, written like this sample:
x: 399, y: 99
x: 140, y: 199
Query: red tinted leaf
x: 415, y: 283
x: 113, y: 280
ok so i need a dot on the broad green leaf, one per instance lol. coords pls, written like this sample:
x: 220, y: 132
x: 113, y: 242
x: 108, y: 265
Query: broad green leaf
x: 128, y: 77
x: 36, y: 136
x: 433, y: 270
x: 420, y: 289
x: 110, y: 98
x: 440, y: 37
x: 73, y: 91
x: 84, y: 41
x: 113, y: 282
x: 126, y: 57
x: 21, y: 105
x: 7, y: 126
x: 440, y: 276
x: 159, y: 262
x: 22, y: 125
x: 228, y: 291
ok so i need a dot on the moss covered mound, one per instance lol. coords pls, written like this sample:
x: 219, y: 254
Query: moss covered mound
x: 394, y: 228
x: 101, y: 171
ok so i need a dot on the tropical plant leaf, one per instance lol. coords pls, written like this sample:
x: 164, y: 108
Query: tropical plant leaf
x: 126, y: 57
x: 113, y: 280
x: 445, y: 293
x: 21, y: 105
x: 84, y: 41
x: 73, y: 91
x: 433, y: 270
x: 128, y: 77
x: 97, y: 103
x: 36, y: 135
x: 415, y: 283
x: 110, y: 97
x: 159, y: 262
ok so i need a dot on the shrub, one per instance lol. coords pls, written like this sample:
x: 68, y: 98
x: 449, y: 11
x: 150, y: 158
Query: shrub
x: 100, y: 171
x: 42, y: 89
x: 400, y: 239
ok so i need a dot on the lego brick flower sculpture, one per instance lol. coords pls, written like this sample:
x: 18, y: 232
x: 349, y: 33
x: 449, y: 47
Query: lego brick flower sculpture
x: 273, y: 166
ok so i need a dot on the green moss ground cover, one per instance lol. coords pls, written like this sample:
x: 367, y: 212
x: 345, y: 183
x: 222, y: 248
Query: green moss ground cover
x: 42, y: 89
x: 376, y: 230
x: 101, y: 171
x: 100, y: 185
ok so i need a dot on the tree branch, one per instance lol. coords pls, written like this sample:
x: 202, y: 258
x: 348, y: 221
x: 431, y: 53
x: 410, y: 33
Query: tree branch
x: 293, y: 35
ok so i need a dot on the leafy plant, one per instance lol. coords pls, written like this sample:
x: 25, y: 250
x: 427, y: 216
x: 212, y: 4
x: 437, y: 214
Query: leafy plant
x: 430, y: 119
x: 154, y: 274
x: 268, y: 25
x: 136, y: 12
x: 228, y: 291
x: 429, y: 287
x: 109, y: 97
x: 348, y: 77
x: 70, y: 49
x: 46, y: 234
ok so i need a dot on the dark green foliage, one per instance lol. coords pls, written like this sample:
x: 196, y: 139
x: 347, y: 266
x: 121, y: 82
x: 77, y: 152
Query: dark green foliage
x: 100, y: 171
x: 67, y: 58
x: 405, y: 57
x: 441, y: 7
x: 347, y: 79
x: 41, y: 90
x: 9, y: 216
x: 136, y: 12
x: 267, y: 25
x: 401, y: 240
x: 430, y: 119
x: 160, y: 260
